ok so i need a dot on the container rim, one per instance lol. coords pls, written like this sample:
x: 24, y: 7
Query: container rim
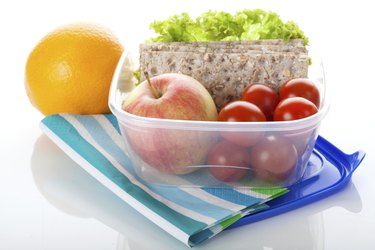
x: 139, y: 121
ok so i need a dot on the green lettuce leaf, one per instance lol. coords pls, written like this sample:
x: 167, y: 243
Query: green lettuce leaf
x: 247, y: 24
x: 177, y: 28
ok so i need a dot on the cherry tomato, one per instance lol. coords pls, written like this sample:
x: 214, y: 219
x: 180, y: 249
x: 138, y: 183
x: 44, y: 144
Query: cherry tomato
x: 263, y: 96
x: 235, y: 157
x: 241, y: 111
x: 294, y: 108
x: 273, y: 159
x: 301, y: 140
x: 301, y: 87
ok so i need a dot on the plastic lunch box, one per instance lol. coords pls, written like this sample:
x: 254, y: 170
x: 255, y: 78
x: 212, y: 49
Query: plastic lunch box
x: 174, y: 152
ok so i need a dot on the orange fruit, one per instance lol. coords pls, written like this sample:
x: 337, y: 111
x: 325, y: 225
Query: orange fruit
x: 70, y: 70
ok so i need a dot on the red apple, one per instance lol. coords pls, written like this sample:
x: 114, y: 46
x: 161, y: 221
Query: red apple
x: 172, y: 96
x: 177, y: 97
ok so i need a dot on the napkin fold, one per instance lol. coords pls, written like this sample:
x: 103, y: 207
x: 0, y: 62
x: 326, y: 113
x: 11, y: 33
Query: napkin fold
x: 190, y: 214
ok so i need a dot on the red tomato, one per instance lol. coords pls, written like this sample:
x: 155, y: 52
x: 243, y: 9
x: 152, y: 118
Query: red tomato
x: 235, y: 157
x: 273, y: 159
x: 294, y: 108
x: 301, y: 87
x: 302, y: 140
x: 241, y: 111
x: 263, y: 96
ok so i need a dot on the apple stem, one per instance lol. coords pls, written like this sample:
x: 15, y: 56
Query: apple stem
x: 154, y: 91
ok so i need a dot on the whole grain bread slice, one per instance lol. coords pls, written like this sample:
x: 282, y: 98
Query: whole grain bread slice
x: 226, y: 68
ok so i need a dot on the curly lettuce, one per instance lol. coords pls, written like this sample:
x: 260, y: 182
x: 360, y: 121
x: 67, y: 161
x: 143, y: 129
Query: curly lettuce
x: 247, y: 24
x: 177, y: 28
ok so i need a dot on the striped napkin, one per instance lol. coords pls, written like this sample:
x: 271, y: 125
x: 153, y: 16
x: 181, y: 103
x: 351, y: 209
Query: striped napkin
x: 192, y: 215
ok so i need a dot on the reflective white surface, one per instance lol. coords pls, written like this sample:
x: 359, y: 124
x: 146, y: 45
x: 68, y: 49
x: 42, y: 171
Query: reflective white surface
x: 49, y: 202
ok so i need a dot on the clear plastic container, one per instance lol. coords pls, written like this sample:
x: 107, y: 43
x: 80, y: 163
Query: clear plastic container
x: 175, y: 152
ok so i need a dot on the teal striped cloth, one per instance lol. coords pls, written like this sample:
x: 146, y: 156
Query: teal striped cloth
x: 192, y: 215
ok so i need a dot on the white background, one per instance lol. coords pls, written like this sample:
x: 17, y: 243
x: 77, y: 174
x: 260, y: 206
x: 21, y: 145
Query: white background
x: 48, y: 202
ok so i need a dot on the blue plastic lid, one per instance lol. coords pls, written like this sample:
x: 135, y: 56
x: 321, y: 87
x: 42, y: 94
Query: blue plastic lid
x: 329, y: 171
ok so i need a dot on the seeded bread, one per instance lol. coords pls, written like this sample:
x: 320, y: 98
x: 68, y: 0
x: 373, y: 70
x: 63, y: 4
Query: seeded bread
x: 226, y: 68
